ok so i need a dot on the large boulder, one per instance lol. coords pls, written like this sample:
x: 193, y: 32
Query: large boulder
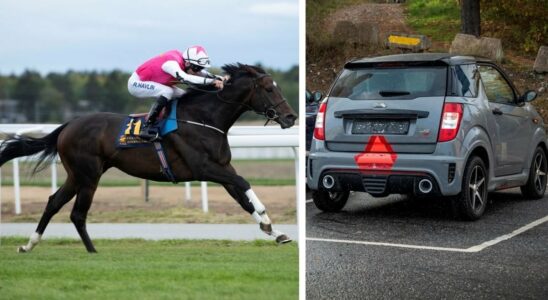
x: 345, y: 31
x: 541, y: 63
x: 466, y: 44
x: 364, y: 33
x: 368, y: 33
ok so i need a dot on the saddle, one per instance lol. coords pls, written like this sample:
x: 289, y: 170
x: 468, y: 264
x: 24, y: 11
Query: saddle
x: 133, y: 123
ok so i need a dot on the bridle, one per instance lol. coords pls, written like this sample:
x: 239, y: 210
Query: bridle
x: 269, y: 111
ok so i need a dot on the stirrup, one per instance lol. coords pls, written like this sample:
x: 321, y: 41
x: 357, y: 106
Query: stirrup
x: 148, y: 136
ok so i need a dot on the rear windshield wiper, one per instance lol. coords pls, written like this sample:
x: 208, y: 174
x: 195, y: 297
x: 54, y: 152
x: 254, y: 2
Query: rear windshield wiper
x: 393, y: 93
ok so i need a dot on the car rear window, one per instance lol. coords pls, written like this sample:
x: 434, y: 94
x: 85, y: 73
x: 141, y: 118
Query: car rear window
x: 390, y: 83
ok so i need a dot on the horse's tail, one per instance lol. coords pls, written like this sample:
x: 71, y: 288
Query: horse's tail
x: 16, y: 146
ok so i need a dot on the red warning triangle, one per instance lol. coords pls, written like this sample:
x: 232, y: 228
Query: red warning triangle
x: 378, y: 144
x: 377, y: 155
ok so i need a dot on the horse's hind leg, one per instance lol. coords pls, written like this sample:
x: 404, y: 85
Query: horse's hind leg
x: 55, y: 203
x: 80, y: 213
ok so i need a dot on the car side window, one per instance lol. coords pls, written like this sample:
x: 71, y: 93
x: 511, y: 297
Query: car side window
x: 496, y: 87
x: 465, y: 81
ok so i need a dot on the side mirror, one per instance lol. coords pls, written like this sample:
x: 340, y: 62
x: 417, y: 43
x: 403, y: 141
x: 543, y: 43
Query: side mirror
x: 318, y: 96
x: 529, y: 96
x: 308, y: 97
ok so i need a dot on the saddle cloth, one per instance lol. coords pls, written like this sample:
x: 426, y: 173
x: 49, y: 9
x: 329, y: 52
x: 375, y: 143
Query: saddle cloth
x: 132, y: 125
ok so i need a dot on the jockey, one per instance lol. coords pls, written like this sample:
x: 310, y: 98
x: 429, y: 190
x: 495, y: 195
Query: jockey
x: 157, y: 78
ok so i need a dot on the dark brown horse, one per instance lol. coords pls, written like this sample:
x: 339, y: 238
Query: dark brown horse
x: 87, y: 148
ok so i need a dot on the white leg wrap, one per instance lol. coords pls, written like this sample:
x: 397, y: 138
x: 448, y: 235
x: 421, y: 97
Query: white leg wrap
x: 33, y: 241
x: 265, y: 218
x: 257, y: 217
x: 261, y: 218
x: 259, y: 207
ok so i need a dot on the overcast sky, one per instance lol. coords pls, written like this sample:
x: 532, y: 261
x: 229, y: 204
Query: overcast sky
x: 58, y: 35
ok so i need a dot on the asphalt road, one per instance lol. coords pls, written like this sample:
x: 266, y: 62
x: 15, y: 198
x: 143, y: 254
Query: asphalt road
x: 394, y: 248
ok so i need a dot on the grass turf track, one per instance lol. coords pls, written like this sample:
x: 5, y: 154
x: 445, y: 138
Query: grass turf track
x: 138, y: 269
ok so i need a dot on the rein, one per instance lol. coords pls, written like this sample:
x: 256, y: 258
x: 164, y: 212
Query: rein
x: 269, y: 110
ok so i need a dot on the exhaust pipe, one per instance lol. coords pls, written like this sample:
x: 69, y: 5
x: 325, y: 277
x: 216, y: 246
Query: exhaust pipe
x: 328, y: 181
x: 425, y: 186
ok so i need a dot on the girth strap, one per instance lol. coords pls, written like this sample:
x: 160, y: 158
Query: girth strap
x: 165, y: 166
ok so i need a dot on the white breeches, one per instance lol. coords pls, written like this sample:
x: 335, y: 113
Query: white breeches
x: 151, y: 89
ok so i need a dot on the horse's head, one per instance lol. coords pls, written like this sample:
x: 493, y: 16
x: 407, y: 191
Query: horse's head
x: 261, y: 93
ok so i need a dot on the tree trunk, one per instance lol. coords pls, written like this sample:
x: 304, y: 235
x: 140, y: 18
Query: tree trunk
x: 470, y: 17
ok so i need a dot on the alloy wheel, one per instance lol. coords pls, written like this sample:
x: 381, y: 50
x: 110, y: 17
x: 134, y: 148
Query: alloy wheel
x: 477, y: 188
x: 540, y: 172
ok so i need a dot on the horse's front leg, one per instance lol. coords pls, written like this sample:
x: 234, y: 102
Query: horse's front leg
x: 204, y: 168
x: 240, y: 190
x: 251, y: 203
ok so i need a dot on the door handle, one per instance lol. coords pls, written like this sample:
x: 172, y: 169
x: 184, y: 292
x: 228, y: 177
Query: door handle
x: 497, y: 111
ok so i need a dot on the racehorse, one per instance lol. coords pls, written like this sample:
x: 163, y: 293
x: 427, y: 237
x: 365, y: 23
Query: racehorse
x: 197, y: 150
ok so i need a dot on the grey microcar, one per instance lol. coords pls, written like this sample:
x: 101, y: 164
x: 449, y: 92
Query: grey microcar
x: 430, y: 124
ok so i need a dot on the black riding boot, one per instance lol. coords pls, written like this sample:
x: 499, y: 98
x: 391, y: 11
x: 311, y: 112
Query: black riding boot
x: 149, y: 131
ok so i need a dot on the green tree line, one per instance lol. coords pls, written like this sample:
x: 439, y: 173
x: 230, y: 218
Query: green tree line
x: 59, y: 97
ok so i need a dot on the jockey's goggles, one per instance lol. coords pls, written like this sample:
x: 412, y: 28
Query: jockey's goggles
x: 196, y: 68
x: 204, y: 61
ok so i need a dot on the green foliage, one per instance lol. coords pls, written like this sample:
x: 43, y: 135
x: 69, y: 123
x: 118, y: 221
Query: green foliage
x: 58, y: 97
x: 94, y: 91
x: 27, y: 91
x: 7, y: 85
x: 138, y: 269
x: 439, y: 19
x: 116, y: 94
x: 521, y: 24
x: 50, y: 97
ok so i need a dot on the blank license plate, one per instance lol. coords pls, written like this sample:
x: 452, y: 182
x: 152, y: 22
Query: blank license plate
x: 380, y: 126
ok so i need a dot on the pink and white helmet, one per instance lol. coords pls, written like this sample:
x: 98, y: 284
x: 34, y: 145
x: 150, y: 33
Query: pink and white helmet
x: 197, y: 55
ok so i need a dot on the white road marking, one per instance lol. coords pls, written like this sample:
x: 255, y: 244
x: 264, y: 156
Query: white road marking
x: 472, y: 249
x: 388, y: 244
x: 508, y: 236
x: 309, y: 201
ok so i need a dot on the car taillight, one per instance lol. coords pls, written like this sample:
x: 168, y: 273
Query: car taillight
x: 319, y: 130
x: 450, y: 121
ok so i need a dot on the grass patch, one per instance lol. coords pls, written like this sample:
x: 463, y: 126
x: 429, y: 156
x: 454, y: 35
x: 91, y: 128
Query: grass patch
x: 138, y: 269
x: 438, y: 19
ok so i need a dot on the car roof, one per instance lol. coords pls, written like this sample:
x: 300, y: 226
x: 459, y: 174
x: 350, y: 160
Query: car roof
x: 427, y: 58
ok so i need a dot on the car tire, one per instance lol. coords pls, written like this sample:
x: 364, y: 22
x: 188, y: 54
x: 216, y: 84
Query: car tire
x: 536, y: 183
x: 470, y: 204
x: 330, y: 201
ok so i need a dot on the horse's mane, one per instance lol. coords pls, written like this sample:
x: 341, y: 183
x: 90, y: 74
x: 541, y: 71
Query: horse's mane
x: 239, y: 70
x: 234, y: 71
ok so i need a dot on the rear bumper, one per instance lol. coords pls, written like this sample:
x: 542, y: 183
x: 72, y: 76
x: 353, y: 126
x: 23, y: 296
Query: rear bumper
x: 381, y: 184
x: 444, y: 171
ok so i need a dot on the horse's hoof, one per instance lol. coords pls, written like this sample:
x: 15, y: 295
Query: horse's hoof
x: 283, y: 239
x: 21, y: 249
